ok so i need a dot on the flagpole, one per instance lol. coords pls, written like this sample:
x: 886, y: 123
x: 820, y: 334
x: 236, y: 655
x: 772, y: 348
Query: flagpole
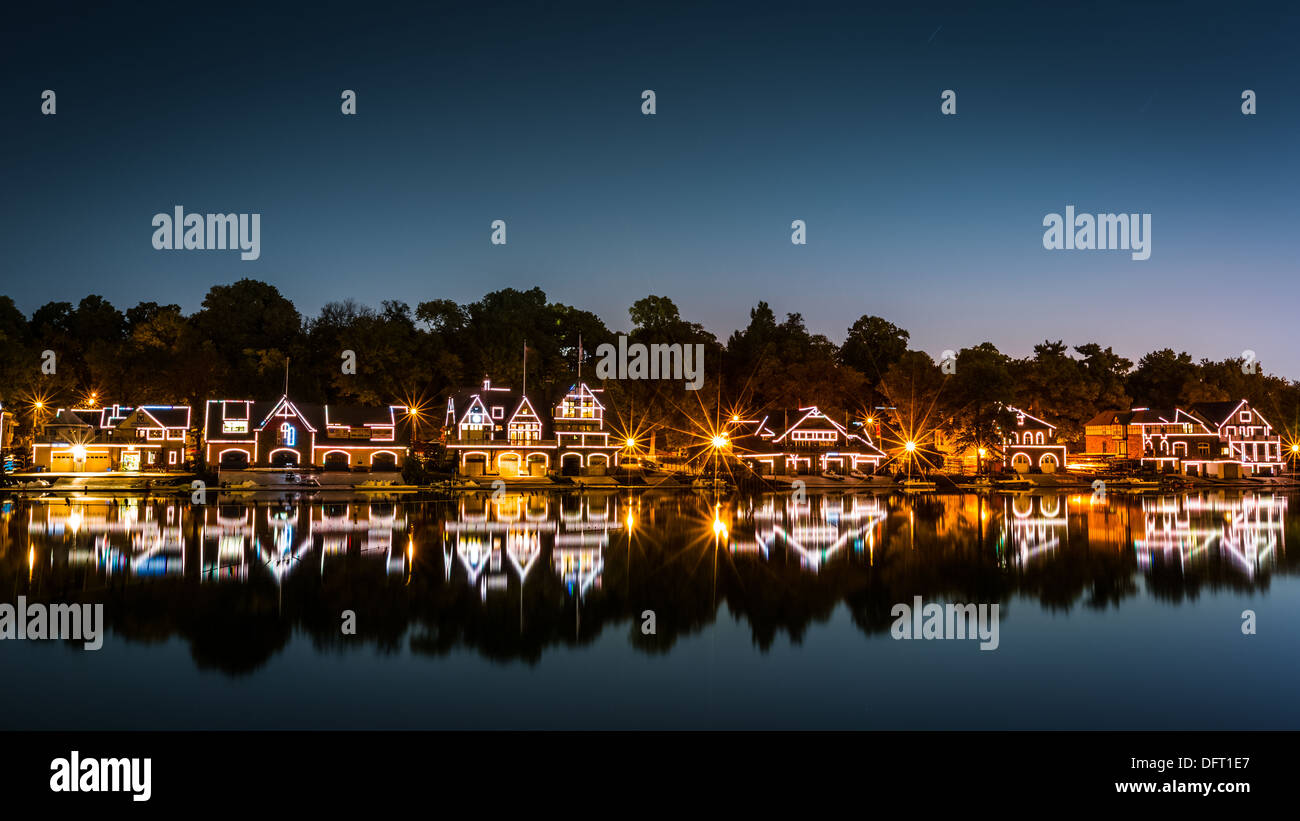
x: 525, y: 388
x: 580, y: 358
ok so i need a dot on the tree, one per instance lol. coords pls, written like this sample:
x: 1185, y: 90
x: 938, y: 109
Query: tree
x: 981, y: 389
x: 1161, y: 377
x: 253, y: 329
x: 872, y: 345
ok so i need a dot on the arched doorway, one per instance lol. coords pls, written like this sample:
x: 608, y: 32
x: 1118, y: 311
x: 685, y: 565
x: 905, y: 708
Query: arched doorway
x: 1020, y: 463
x: 537, y: 464
x: 508, y: 465
x: 383, y: 461
x: 284, y: 459
x: 234, y: 460
x: 336, y: 460
x: 571, y: 464
x: 1048, y: 463
x: 474, y: 464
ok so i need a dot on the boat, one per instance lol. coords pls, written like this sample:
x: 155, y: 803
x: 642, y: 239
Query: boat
x: 1013, y: 484
x: 260, y: 480
x: 917, y: 485
x: 1134, y: 483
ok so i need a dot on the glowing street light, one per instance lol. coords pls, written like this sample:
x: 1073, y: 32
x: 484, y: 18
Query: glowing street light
x: 79, y: 453
x: 910, y: 446
x: 719, y: 441
x: 630, y: 443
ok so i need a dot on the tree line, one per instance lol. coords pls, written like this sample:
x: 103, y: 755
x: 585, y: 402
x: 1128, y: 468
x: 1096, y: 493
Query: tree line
x: 236, y: 344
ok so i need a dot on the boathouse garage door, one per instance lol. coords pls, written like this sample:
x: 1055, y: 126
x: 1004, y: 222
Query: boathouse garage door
x: 536, y: 464
x: 336, y: 460
x: 571, y: 464
x: 508, y: 464
x: 383, y: 461
x: 284, y: 459
x: 234, y: 460
x: 474, y: 464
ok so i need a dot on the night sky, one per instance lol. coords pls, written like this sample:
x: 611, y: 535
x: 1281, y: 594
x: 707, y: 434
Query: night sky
x: 531, y: 113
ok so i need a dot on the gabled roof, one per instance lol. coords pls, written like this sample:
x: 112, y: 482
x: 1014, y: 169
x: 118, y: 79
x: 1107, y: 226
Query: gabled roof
x: 750, y: 434
x: 1110, y: 417
x: 814, y: 419
x: 159, y: 416
x: 300, y: 412
x: 1219, y: 413
x: 581, y: 389
x: 1153, y: 416
x: 316, y: 418
x: 1030, y: 416
x: 75, y: 417
x: 512, y: 403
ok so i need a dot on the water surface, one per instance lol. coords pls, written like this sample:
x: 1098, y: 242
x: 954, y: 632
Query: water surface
x: 769, y: 611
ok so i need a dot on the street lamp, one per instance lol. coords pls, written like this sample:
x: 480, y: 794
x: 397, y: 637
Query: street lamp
x: 719, y: 442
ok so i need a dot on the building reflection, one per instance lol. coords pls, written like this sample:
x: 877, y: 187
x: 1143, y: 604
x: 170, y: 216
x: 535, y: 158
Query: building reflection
x: 490, y: 543
x: 127, y: 536
x: 816, y: 529
x: 1033, y: 526
x: 1191, y: 529
x: 514, y: 574
x: 491, y: 539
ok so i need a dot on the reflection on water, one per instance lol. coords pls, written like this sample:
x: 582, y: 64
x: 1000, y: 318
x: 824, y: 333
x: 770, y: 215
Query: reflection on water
x: 513, y: 575
x: 485, y: 595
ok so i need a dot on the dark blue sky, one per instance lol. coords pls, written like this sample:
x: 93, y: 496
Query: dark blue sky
x: 531, y: 113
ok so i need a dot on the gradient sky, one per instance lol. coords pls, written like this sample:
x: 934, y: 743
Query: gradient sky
x: 471, y: 112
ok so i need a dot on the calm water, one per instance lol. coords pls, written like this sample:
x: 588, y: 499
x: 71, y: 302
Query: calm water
x: 527, y: 612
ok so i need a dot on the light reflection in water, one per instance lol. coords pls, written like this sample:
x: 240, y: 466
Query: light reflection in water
x: 1188, y: 528
x: 490, y: 544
